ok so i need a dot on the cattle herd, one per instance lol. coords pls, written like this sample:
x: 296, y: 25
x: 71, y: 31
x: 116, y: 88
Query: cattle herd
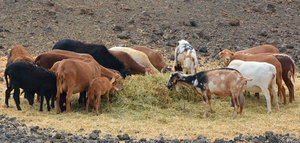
x: 93, y: 70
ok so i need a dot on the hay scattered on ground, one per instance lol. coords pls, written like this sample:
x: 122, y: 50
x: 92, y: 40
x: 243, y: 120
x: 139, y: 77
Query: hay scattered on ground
x: 147, y: 109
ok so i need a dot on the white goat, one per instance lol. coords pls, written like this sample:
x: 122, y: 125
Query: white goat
x: 185, y: 56
x: 140, y: 57
x: 263, y: 78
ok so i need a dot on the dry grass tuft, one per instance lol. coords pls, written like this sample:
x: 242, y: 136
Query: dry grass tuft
x: 147, y: 106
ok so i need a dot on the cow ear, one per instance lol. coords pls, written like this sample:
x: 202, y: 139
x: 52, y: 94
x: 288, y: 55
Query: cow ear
x: 112, y: 80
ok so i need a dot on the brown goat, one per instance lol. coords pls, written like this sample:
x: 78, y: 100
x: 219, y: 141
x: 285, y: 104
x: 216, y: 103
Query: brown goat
x: 98, y: 87
x: 228, y: 56
x: 288, y: 73
x: 75, y: 75
x: 19, y: 53
x: 260, y: 49
x: 130, y: 63
x: 155, y: 58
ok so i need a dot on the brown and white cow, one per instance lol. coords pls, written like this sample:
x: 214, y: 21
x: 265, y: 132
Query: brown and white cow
x: 221, y: 82
x: 130, y: 63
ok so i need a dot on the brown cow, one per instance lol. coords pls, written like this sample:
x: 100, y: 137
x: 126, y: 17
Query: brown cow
x: 130, y: 63
x: 228, y: 56
x: 75, y: 75
x: 100, y: 86
x: 260, y: 49
x: 47, y: 60
x: 155, y: 58
x: 19, y: 53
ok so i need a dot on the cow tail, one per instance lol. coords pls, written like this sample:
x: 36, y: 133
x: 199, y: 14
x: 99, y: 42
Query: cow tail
x: 59, y: 82
x: 6, y: 79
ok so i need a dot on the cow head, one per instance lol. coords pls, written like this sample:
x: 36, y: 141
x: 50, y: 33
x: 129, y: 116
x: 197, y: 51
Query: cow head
x: 173, y: 80
x: 29, y: 97
x: 117, y: 82
x: 226, y: 56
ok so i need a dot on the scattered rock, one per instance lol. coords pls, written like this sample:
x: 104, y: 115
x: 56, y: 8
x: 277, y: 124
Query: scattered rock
x: 123, y: 137
x: 48, y: 29
x: 93, y: 136
x: 289, y: 46
x: 223, y: 23
x: 263, y: 33
x: 34, y: 128
x: 193, y: 23
x: 171, y: 43
x: 234, y: 22
x: 272, y: 41
x: 86, y: 12
x: 11, y: 119
x: 158, y: 32
x: 118, y: 27
x: 271, y: 8
x: 124, y: 35
x: 58, y: 136
x: 200, y: 34
x: 203, y: 49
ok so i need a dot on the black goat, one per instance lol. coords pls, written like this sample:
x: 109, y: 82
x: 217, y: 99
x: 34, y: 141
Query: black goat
x: 99, y: 53
x: 32, y: 79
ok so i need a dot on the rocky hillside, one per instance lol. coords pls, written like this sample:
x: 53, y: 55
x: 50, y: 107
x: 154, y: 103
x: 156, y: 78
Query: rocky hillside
x: 209, y: 25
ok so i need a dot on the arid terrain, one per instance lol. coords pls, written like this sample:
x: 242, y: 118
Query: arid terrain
x: 146, y: 109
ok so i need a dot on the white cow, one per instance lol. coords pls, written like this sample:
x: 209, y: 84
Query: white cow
x: 138, y: 56
x: 185, y: 56
x: 263, y: 78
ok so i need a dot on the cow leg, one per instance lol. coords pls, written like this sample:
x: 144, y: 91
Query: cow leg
x: 267, y: 96
x: 204, y: 103
x: 209, y: 102
x: 273, y: 94
x: 87, y: 104
x: 17, y: 97
x: 52, y: 101
x: 97, y: 103
x: 7, y: 95
x: 82, y: 98
x: 235, y: 104
x: 42, y: 100
x: 57, y: 101
x: 107, y: 99
x: 48, y: 102
x: 69, y: 93
x: 290, y: 87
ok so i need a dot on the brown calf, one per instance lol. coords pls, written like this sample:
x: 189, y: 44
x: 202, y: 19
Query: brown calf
x: 228, y: 56
x: 19, y: 53
x: 155, y: 58
x: 130, y: 63
x: 75, y: 75
x: 98, y: 87
x: 261, y: 49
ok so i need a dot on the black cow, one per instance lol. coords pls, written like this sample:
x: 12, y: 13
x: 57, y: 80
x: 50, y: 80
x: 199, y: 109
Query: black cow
x: 99, y: 53
x: 32, y: 79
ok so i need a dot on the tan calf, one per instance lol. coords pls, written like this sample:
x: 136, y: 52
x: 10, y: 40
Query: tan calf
x: 98, y: 87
